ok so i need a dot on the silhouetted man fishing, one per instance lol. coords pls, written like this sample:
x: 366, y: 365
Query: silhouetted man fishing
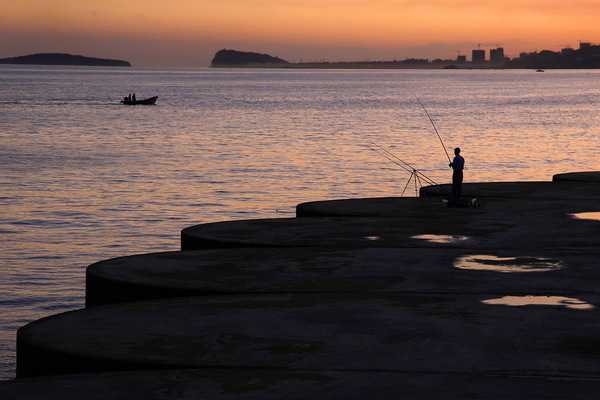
x: 457, y: 165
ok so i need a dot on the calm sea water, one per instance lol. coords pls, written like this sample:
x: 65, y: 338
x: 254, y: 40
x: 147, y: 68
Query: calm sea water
x: 83, y: 178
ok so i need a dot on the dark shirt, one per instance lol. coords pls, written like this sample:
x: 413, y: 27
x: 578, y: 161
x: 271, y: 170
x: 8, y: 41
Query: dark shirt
x: 458, y: 164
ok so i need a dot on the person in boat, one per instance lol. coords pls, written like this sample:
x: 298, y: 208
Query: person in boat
x: 133, y: 98
x: 457, y: 165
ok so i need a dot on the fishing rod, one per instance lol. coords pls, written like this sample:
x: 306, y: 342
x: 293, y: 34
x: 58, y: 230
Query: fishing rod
x: 381, y: 152
x: 392, y: 155
x: 403, y: 164
x: 435, y: 129
x: 415, y: 175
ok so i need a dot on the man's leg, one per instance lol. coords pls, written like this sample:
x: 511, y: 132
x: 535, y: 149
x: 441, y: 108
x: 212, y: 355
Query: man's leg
x: 454, y: 187
x: 453, y: 197
x: 459, y: 181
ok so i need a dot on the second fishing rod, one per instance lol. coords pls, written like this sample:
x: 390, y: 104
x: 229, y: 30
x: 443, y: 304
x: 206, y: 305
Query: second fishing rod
x: 401, y: 163
x: 434, y: 128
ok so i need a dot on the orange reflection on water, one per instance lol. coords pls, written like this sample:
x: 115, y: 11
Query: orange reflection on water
x: 520, y: 301
x: 441, y: 239
x: 507, y: 264
x: 587, y: 216
x: 372, y: 238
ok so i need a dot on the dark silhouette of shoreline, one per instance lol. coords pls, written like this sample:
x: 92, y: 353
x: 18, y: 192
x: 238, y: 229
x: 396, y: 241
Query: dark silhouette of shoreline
x: 64, y: 59
x: 587, y: 56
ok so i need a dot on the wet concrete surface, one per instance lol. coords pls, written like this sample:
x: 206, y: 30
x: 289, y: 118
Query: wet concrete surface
x: 426, y: 333
x: 218, y: 384
x: 325, y: 270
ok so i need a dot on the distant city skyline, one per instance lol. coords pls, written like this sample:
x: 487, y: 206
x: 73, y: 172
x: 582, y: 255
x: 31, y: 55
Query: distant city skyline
x: 155, y: 33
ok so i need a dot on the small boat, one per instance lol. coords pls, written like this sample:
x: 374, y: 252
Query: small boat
x: 150, y: 101
x: 540, y: 70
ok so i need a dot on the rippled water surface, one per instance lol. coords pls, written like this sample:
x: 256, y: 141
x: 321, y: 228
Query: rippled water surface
x: 84, y: 178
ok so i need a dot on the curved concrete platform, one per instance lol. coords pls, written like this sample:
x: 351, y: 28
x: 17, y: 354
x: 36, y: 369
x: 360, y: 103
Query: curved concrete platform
x: 372, y: 207
x: 324, y: 270
x: 561, y: 190
x: 284, y: 385
x: 435, y: 207
x: 345, y: 332
x: 329, y: 232
x: 518, y: 224
x: 589, y: 177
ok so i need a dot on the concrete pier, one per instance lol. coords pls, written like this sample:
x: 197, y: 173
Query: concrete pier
x: 387, y: 297
x: 346, y: 332
x: 248, y: 384
x: 560, y: 190
x: 327, y: 270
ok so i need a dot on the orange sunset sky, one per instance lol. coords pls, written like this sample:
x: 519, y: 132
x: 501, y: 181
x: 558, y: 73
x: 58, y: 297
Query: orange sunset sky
x: 186, y: 33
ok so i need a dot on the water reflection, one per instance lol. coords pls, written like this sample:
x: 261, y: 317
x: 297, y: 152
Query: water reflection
x: 372, y: 238
x: 441, y: 239
x: 520, y: 301
x: 507, y: 264
x: 587, y: 216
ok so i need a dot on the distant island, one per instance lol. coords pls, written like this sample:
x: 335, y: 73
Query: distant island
x: 63, y: 59
x: 586, y: 56
x: 232, y: 58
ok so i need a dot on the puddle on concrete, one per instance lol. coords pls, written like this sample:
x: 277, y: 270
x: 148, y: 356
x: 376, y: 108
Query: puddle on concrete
x: 507, y: 264
x: 441, y: 239
x: 558, y: 301
x: 587, y: 216
x: 372, y: 238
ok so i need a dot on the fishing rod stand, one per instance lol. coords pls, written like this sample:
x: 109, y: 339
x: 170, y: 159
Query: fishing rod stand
x: 414, y: 177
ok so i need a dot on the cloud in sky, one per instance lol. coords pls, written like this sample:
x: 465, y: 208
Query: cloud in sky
x: 187, y: 32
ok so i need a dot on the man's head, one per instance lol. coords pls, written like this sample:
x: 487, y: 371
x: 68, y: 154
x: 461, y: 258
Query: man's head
x: 457, y: 151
